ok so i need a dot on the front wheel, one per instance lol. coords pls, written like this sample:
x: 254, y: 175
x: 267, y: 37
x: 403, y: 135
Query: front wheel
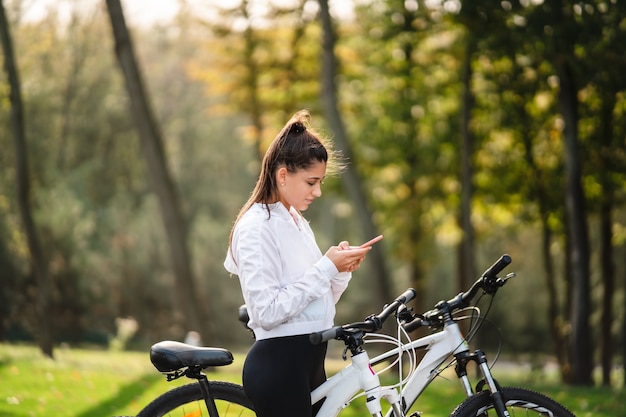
x: 518, y: 401
x: 188, y: 400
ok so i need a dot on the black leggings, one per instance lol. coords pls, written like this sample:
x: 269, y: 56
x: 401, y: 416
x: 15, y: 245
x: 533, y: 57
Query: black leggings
x: 280, y: 373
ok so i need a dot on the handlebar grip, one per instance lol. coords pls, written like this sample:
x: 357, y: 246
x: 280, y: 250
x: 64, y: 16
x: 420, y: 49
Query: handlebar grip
x: 498, y: 266
x: 406, y: 296
x: 324, y: 336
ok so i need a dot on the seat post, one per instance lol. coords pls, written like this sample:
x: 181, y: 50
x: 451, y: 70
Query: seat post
x: 197, y: 374
x: 208, y: 396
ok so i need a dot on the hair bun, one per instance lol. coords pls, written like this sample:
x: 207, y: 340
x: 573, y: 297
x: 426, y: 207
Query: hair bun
x: 297, y: 127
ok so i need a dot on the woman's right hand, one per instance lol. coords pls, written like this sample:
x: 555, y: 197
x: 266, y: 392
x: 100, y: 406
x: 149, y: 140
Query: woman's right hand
x: 346, y: 258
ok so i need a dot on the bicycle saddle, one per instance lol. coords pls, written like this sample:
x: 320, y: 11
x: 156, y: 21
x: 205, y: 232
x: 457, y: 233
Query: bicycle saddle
x: 169, y: 356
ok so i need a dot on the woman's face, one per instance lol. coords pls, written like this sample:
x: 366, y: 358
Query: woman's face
x: 300, y: 188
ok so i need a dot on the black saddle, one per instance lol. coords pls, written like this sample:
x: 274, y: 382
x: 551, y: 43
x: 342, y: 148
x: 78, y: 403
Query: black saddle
x: 170, y: 356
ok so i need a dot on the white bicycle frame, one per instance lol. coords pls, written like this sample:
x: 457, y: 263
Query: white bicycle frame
x: 339, y: 390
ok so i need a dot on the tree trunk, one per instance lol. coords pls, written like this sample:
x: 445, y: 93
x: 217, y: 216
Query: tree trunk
x: 608, y: 281
x: 607, y: 266
x: 253, y: 106
x: 467, y: 264
x: 351, y: 180
x: 39, y: 264
x: 624, y: 329
x: 581, y: 352
x: 163, y: 185
x: 556, y: 321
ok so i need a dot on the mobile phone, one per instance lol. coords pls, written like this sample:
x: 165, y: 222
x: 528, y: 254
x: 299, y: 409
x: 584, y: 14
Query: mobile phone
x: 371, y: 241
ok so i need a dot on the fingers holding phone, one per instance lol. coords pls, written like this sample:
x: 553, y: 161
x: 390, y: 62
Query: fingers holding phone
x: 349, y: 258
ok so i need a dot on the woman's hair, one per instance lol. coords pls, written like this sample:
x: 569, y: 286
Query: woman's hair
x: 296, y: 147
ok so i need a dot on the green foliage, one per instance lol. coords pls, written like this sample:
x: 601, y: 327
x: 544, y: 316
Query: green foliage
x: 403, y: 124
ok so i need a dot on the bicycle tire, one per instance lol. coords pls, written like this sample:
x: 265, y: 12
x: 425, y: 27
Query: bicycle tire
x: 519, y: 401
x: 188, y: 401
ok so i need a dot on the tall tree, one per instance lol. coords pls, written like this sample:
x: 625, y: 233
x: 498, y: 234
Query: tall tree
x: 407, y: 129
x: 575, y: 205
x: 268, y: 71
x: 252, y: 100
x: 558, y: 28
x: 514, y: 63
x: 351, y: 179
x: 467, y: 265
x: 38, y: 260
x: 606, y: 64
x: 165, y: 188
x: 604, y: 144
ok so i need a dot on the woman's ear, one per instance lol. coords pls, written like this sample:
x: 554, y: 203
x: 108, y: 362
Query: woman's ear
x: 281, y: 175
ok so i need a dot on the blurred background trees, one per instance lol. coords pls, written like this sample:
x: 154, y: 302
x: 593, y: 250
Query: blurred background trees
x: 473, y: 129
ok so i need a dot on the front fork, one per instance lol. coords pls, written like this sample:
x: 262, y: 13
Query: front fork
x: 478, y: 356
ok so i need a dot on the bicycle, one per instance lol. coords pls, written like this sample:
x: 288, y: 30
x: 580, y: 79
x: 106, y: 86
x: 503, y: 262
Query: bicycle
x: 359, y: 379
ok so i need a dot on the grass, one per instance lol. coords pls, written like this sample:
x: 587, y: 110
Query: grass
x: 96, y: 383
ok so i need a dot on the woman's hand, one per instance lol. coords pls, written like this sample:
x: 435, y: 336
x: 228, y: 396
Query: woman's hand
x: 347, y: 258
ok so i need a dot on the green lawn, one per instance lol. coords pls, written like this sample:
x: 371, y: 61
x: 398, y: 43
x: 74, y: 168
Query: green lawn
x: 93, y: 383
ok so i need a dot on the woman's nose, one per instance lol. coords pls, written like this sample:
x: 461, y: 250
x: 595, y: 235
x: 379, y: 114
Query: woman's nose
x: 317, y: 190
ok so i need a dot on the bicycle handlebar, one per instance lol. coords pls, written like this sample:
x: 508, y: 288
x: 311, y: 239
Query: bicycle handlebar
x: 371, y: 324
x: 488, y: 282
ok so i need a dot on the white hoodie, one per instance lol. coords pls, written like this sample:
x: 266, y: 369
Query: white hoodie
x: 289, y: 287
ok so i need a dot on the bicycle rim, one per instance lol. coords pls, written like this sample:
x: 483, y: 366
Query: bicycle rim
x: 519, y: 402
x: 188, y: 401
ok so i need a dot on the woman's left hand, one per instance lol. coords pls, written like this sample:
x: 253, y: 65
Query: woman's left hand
x: 347, y: 258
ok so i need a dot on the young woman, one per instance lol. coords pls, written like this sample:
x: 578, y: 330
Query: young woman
x: 290, y: 287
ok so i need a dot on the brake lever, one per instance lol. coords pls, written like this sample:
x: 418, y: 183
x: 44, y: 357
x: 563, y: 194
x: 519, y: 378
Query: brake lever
x: 509, y: 276
x: 501, y: 281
